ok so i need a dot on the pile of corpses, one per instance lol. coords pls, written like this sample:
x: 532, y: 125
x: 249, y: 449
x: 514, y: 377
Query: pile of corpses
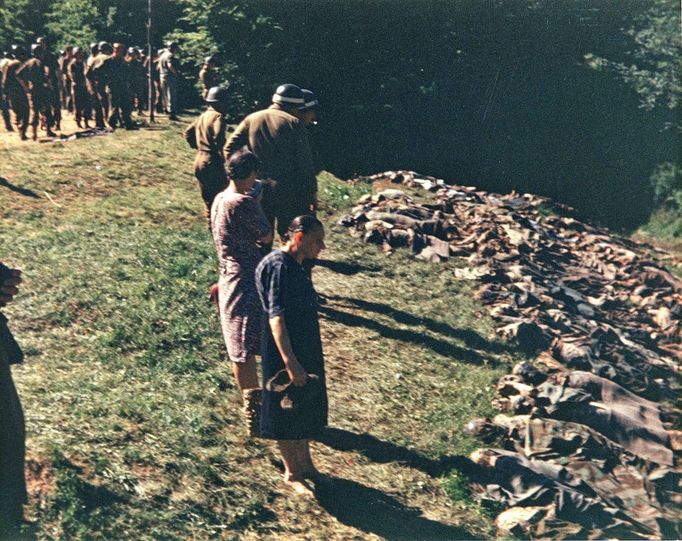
x: 586, y: 449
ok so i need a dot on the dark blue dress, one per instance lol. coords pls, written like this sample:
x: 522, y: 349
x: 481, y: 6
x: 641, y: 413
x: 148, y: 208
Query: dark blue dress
x: 286, y: 290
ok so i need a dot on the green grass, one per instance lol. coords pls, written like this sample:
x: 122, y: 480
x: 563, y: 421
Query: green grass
x: 130, y: 402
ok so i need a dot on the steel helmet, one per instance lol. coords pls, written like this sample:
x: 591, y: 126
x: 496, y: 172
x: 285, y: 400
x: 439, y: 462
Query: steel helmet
x: 218, y: 94
x: 310, y: 100
x: 288, y: 94
x: 105, y: 47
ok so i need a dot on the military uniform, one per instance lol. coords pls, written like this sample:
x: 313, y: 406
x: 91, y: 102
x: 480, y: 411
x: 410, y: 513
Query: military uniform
x: 15, y: 94
x: 98, y: 88
x: 53, y: 83
x: 4, y: 105
x: 208, y: 134
x: 79, y: 91
x: 209, y: 78
x: 280, y: 141
x: 138, y: 84
x: 34, y: 75
x: 114, y: 73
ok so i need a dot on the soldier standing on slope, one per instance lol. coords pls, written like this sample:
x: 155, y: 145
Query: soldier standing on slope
x: 53, y: 79
x: 4, y: 101
x: 208, y: 75
x: 98, y: 83
x: 15, y: 91
x: 113, y: 71
x: 79, y: 91
x: 277, y: 136
x: 33, y: 73
x: 207, y: 135
x: 138, y: 80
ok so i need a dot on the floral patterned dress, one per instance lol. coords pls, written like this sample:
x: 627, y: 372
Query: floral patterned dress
x: 237, y: 222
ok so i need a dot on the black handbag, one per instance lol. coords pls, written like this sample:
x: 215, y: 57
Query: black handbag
x: 294, y: 397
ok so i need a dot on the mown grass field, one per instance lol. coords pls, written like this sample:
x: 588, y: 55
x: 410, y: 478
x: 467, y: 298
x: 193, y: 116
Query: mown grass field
x: 134, y: 423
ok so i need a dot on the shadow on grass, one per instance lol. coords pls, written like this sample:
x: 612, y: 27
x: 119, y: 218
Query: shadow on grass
x: 383, y: 452
x: 470, y: 337
x: 441, y: 347
x: 18, y: 189
x: 343, y: 267
x: 372, y: 511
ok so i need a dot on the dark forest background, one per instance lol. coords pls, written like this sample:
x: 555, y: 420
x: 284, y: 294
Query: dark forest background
x: 576, y: 99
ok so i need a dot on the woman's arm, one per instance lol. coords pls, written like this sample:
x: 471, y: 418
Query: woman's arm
x: 296, y: 372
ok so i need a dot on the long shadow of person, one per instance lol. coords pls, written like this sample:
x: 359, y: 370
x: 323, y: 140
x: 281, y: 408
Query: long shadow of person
x: 436, y: 345
x: 384, y: 451
x: 373, y: 511
x: 18, y: 189
x: 470, y: 337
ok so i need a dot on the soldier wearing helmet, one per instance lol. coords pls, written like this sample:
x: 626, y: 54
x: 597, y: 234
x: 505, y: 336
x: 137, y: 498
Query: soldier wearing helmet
x: 98, y: 84
x: 4, y: 102
x: 15, y: 92
x: 207, y: 135
x: 79, y: 90
x: 34, y: 75
x: 64, y: 79
x: 278, y: 136
x: 138, y: 79
x: 51, y: 63
x: 208, y: 75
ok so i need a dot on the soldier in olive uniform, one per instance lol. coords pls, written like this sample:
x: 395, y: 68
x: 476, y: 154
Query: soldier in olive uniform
x: 33, y: 73
x: 93, y: 97
x: 138, y: 80
x: 15, y: 90
x: 113, y: 71
x: 53, y: 79
x: 207, y: 135
x: 4, y: 102
x: 97, y: 82
x: 79, y: 90
x: 208, y: 75
x: 278, y: 137
x: 65, y: 81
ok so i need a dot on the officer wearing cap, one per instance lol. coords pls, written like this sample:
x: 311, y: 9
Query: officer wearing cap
x: 33, y: 73
x: 278, y: 136
x: 14, y: 89
x: 207, y: 135
x: 208, y: 75
x: 169, y: 71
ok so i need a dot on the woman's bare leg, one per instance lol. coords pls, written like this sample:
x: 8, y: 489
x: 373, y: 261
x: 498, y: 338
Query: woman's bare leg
x: 292, y: 450
x: 246, y: 373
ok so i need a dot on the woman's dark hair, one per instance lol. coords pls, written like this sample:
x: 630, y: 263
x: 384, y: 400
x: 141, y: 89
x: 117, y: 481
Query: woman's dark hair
x: 306, y: 224
x: 242, y: 163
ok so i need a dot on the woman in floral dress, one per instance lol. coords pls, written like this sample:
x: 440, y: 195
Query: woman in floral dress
x: 239, y: 226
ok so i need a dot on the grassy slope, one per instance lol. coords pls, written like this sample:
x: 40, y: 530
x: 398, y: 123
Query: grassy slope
x: 131, y: 410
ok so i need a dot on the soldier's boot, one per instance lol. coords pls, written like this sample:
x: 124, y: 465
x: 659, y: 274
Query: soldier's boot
x: 252, y: 406
x: 34, y: 133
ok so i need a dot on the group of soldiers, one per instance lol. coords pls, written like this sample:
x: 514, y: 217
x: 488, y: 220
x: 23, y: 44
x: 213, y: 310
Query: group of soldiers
x: 278, y: 135
x: 105, y: 84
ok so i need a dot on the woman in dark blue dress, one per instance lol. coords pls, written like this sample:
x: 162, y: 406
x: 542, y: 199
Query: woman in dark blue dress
x: 291, y: 342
